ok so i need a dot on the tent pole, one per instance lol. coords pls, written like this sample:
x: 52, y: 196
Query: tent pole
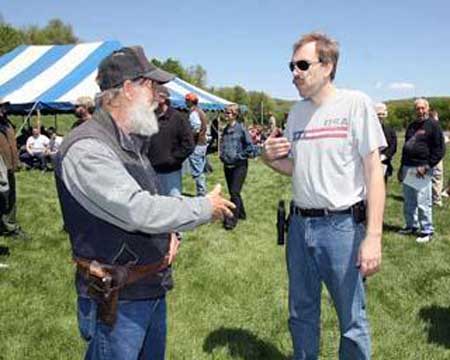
x: 26, y: 119
x: 219, y: 118
x: 262, y: 112
x: 38, y: 121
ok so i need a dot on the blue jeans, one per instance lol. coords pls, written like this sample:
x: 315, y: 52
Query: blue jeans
x: 170, y: 183
x: 139, y: 332
x: 36, y: 160
x: 418, y: 207
x: 325, y: 249
x: 197, y: 161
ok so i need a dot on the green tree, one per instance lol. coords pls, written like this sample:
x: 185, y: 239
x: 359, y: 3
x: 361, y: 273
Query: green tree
x: 34, y: 36
x: 260, y: 104
x: 9, y: 38
x: 173, y: 66
x: 236, y: 94
x: 55, y: 32
x: 240, y: 95
x: 197, y: 75
x: 224, y: 92
x: 442, y: 106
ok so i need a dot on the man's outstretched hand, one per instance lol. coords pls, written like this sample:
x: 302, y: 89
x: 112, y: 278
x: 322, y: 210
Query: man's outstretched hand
x: 221, y: 206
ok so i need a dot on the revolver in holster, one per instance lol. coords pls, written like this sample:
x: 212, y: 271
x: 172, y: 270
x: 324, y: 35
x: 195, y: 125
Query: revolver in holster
x: 104, y: 289
x: 105, y: 281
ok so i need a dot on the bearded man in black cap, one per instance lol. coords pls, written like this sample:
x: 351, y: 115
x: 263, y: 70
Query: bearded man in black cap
x: 121, y: 230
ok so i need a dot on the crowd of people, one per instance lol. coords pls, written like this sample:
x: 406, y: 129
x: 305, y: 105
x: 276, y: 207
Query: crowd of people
x: 34, y: 148
x: 119, y: 179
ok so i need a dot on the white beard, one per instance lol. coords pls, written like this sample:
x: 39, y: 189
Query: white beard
x: 143, y: 118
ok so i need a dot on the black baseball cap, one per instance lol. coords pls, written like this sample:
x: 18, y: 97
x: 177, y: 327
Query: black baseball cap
x: 128, y: 63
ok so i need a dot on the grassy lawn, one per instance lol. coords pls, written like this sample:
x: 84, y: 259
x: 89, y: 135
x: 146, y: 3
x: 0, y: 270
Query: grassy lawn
x: 230, y: 297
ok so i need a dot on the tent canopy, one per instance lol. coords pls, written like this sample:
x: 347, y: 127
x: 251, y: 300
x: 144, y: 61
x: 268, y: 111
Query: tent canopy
x: 50, y: 78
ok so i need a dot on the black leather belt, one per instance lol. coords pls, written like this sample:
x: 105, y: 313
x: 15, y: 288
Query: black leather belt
x: 324, y: 212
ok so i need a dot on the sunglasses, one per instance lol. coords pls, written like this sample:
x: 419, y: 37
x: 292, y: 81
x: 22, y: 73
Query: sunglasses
x: 302, y: 65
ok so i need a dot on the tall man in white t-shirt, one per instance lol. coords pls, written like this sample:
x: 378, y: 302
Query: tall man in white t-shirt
x: 331, y: 152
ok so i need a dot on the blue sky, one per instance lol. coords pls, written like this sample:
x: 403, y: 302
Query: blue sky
x: 389, y: 49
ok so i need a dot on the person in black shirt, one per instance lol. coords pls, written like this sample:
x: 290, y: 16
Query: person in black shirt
x: 423, y: 149
x: 171, y: 145
x: 389, y: 151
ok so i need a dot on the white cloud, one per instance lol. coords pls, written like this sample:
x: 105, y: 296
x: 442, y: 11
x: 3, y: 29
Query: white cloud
x: 378, y: 85
x: 401, y: 86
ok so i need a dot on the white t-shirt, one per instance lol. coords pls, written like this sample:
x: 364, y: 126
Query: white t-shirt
x: 329, y: 143
x: 195, y: 121
x: 39, y: 144
x: 55, y: 143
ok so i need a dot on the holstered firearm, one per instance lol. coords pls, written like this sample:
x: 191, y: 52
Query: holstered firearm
x: 105, y: 282
x: 283, y: 221
x: 359, y: 212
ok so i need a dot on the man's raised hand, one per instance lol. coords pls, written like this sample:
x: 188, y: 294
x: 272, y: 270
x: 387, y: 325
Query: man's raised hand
x: 276, y: 146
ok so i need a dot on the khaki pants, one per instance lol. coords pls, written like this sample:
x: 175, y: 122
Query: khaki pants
x: 437, y: 182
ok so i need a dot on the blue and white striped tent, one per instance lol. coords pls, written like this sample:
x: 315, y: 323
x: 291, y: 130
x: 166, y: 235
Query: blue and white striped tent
x: 50, y: 78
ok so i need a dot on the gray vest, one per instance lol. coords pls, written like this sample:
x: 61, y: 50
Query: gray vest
x: 94, y: 238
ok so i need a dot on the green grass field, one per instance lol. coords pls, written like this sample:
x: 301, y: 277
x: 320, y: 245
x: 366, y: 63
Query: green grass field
x: 230, y: 297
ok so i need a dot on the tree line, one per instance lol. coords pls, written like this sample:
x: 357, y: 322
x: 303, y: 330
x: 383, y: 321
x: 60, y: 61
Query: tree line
x: 55, y: 32
x: 258, y: 103
x: 401, y: 112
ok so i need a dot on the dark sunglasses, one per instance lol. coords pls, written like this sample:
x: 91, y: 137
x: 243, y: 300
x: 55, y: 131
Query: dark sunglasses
x: 302, y: 65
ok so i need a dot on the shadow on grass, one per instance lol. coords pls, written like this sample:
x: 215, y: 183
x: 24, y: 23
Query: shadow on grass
x: 242, y: 344
x: 391, y: 228
x: 438, y: 320
x: 395, y: 197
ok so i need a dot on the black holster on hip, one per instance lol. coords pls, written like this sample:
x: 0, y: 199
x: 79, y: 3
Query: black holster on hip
x: 105, y: 290
x: 283, y: 220
x: 359, y: 212
x: 105, y: 282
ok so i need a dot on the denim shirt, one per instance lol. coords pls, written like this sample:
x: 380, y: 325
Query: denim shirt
x: 236, y: 145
